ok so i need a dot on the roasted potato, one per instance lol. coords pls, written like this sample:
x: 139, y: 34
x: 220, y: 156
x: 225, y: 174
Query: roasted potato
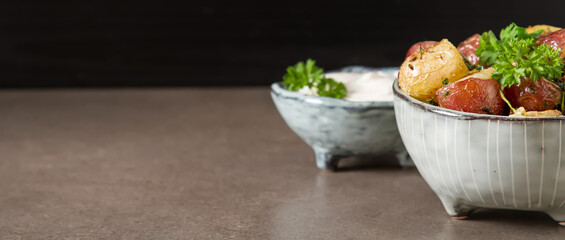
x: 546, y: 28
x: 554, y: 39
x: 483, y: 74
x: 521, y: 112
x: 540, y: 95
x: 469, y: 48
x: 472, y: 95
x: 420, y: 46
x: 422, y: 73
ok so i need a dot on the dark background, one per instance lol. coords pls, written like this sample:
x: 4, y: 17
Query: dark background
x: 229, y: 43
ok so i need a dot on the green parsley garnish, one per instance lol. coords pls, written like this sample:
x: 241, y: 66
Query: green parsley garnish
x: 516, y: 55
x: 433, y: 102
x: 308, y: 74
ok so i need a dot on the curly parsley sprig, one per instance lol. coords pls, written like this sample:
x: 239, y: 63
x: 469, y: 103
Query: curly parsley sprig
x: 311, y: 76
x: 516, y: 55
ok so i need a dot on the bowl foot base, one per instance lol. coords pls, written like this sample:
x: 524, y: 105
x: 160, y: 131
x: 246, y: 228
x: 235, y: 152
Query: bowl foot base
x: 461, y: 211
x: 558, y: 216
x: 325, y: 160
x: 460, y: 217
x: 456, y: 209
x: 404, y: 159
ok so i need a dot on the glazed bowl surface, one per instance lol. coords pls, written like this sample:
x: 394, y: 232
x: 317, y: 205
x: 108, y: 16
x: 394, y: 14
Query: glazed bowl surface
x: 336, y: 128
x: 482, y: 161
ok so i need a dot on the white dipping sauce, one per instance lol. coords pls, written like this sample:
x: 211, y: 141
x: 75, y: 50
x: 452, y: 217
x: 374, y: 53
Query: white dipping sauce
x: 362, y: 87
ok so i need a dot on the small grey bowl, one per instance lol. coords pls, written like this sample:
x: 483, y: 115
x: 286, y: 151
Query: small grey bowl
x: 337, y: 128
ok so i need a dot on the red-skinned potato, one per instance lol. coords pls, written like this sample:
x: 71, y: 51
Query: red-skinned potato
x: 540, y: 95
x: 469, y: 48
x: 473, y: 95
x: 419, y: 46
x: 554, y: 39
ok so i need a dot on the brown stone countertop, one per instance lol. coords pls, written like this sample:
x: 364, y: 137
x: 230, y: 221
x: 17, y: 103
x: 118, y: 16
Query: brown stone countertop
x: 205, y: 163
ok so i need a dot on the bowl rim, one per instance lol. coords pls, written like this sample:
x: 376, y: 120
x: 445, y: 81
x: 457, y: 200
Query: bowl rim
x: 400, y: 95
x: 279, y: 90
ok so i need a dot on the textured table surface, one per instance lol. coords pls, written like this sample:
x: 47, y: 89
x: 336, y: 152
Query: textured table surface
x: 205, y: 164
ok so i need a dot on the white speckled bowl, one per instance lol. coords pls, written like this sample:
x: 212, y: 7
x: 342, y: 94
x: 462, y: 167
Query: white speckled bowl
x: 336, y: 128
x: 480, y: 161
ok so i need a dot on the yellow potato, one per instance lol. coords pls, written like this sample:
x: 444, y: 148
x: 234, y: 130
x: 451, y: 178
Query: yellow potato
x: 483, y: 74
x: 521, y: 112
x: 546, y: 28
x: 422, y: 74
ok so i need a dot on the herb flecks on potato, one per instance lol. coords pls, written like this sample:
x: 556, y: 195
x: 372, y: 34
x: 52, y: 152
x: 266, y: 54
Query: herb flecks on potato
x: 419, y: 46
x: 425, y: 71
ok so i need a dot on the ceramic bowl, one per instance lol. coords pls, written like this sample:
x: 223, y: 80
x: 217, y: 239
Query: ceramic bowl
x: 336, y: 128
x: 480, y: 161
